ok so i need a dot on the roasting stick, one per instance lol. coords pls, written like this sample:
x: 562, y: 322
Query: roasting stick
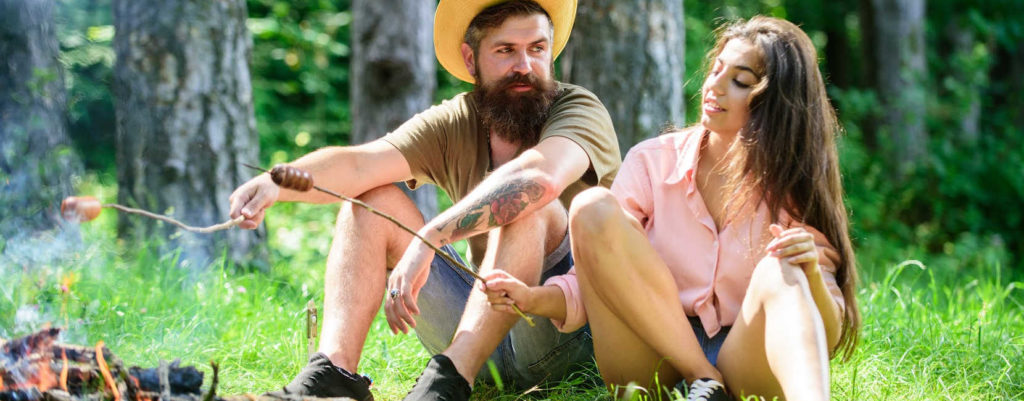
x: 86, y: 208
x: 202, y: 230
x: 292, y: 178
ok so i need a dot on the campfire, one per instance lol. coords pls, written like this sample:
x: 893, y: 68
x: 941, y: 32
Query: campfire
x: 38, y: 368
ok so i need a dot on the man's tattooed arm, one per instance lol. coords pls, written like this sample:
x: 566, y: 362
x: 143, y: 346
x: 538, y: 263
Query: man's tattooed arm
x: 497, y: 208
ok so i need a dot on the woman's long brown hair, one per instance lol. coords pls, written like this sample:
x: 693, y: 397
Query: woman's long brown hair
x: 785, y: 156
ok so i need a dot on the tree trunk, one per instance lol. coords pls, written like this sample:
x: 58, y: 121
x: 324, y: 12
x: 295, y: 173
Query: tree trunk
x: 630, y: 54
x: 184, y: 120
x: 36, y: 160
x: 970, y: 75
x: 393, y: 72
x: 899, y: 54
x: 869, y: 126
x: 840, y: 62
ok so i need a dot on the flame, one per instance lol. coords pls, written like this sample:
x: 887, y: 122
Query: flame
x: 31, y: 368
x: 135, y: 381
x: 107, y: 377
x: 1, y: 383
x: 138, y: 391
x: 64, y: 370
x: 43, y: 380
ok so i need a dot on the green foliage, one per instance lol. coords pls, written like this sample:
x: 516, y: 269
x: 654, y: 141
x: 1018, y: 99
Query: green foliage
x: 959, y: 197
x: 85, y: 33
x: 299, y: 70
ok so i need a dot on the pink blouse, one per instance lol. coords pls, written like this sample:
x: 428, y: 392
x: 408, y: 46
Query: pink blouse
x: 712, y: 269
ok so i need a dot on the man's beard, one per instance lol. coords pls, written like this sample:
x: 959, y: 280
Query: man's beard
x: 515, y: 116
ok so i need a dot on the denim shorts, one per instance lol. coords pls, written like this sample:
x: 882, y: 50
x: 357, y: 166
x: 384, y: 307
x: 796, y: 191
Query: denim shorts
x: 528, y: 355
x: 710, y: 345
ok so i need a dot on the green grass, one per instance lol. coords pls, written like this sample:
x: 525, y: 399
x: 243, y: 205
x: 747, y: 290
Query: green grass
x: 949, y: 331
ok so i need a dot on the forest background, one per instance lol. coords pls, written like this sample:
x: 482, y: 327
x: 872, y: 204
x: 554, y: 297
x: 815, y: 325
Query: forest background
x: 930, y: 96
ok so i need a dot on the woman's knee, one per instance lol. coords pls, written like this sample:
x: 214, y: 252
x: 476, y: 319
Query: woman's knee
x: 592, y: 212
x: 772, y: 278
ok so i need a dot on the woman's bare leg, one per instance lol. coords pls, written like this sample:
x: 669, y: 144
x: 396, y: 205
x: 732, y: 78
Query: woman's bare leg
x: 631, y: 298
x: 777, y: 345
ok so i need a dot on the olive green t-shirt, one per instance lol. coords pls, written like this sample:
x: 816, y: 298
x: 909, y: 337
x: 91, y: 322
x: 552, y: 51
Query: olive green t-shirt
x: 447, y: 145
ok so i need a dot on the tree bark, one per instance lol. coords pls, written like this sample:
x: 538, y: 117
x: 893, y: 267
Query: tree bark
x: 839, y: 60
x: 970, y: 76
x: 36, y: 159
x: 393, y: 72
x: 869, y: 126
x: 185, y: 120
x: 630, y: 54
x: 899, y: 56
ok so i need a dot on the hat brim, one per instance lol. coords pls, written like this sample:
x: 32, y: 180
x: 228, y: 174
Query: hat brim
x: 452, y: 18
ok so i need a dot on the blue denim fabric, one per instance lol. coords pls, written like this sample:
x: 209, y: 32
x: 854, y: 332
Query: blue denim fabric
x: 528, y: 355
x: 712, y: 345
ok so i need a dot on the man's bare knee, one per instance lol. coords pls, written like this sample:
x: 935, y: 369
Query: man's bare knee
x: 354, y: 220
x: 388, y: 199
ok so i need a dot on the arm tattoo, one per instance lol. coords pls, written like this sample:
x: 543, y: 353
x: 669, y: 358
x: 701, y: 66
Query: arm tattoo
x: 501, y: 206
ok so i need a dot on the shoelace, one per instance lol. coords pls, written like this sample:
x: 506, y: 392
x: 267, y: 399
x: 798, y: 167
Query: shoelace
x: 702, y: 390
x: 311, y: 380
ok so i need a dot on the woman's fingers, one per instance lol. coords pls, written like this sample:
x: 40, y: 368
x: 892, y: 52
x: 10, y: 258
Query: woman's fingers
x: 500, y: 302
x: 790, y: 240
x: 797, y: 248
x: 803, y: 258
x: 500, y: 298
x: 503, y: 308
x: 497, y: 290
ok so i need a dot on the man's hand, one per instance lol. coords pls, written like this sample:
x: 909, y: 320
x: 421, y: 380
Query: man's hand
x: 404, y: 285
x: 252, y: 200
x: 503, y: 290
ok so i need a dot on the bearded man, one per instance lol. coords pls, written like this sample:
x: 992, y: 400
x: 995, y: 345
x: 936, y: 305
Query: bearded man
x: 504, y: 153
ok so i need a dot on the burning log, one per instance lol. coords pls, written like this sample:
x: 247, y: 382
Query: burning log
x: 31, y: 394
x: 186, y: 380
x: 29, y: 369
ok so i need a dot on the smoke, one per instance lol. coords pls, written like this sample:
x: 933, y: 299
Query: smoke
x: 32, y: 264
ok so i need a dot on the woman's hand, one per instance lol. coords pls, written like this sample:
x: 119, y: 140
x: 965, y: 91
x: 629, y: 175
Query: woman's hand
x: 794, y: 246
x: 503, y: 290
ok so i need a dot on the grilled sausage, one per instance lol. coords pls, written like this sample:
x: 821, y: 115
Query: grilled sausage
x: 80, y: 208
x: 289, y: 177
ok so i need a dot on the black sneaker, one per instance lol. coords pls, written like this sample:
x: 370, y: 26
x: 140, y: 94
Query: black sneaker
x: 320, y: 378
x: 440, y: 381
x: 706, y: 390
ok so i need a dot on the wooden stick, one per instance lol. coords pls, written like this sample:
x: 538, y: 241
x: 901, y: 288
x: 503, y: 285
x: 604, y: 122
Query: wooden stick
x: 202, y: 230
x: 311, y: 329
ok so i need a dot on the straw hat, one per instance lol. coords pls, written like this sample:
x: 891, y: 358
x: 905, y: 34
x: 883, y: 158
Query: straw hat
x: 453, y: 17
